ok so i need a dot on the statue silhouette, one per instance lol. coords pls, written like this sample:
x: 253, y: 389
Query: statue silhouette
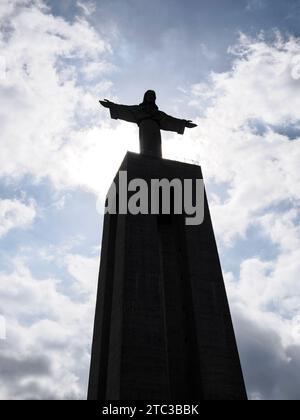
x: 150, y: 121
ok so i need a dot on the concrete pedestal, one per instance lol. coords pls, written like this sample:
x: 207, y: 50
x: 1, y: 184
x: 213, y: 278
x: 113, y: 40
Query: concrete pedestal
x: 163, y: 328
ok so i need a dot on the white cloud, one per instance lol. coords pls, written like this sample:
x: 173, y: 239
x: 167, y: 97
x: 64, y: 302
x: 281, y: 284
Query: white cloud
x: 243, y: 142
x: 50, y: 117
x: 84, y: 270
x: 48, y: 334
x: 261, y: 168
x: 283, y: 229
x: 95, y: 69
x: 265, y: 300
x: 15, y: 214
x: 2, y: 328
x: 87, y: 7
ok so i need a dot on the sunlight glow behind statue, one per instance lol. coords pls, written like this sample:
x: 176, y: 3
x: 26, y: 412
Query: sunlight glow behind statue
x: 150, y: 121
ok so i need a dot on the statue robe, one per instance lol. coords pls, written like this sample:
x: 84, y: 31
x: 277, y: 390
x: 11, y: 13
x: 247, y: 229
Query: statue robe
x: 150, y: 124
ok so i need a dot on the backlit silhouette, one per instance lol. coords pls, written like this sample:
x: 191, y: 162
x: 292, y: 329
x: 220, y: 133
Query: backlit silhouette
x: 150, y: 121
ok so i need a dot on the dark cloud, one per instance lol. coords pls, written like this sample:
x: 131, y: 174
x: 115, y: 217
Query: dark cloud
x: 292, y: 131
x: 271, y: 371
x: 12, y: 368
x: 22, y: 376
x: 289, y: 129
x: 32, y: 390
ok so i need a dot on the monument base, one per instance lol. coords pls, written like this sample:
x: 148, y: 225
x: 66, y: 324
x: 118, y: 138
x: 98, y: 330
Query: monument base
x: 163, y: 328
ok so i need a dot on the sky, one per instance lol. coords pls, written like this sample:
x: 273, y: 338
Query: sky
x: 233, y: 66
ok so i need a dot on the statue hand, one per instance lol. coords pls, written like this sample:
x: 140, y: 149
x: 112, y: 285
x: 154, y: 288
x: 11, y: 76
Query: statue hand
x: 106, y: 103
x: 190, y: 124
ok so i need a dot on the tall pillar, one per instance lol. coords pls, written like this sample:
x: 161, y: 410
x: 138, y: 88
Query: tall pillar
x: 163, y: 329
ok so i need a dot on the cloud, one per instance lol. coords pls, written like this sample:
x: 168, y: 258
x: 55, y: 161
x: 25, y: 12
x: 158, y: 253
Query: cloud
x: 2, y: 328
x: 271, y: 369
x: 83, y: 269
x: 14, y: 214
x: 265, y: 304
x: 255, y: 5
x: 259, y: 167
x: 87, y: 7
x: 12, y: 368
x: 49, y: 113
x: 52, y: 128
x: 251, y: 165
x: 243, y: 143
x: 48, y: 332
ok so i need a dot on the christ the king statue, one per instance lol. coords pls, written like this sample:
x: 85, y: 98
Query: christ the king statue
x: 150, y: 121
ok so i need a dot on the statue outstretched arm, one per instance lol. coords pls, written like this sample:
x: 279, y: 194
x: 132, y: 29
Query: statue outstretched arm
x: 121, y: 112
x: 177, y: 125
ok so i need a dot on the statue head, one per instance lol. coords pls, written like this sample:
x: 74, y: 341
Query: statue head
x: 149, y: 97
